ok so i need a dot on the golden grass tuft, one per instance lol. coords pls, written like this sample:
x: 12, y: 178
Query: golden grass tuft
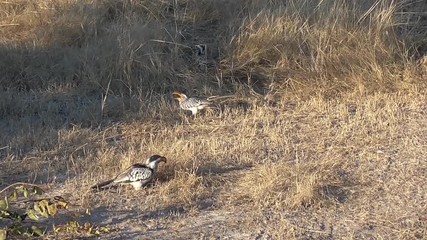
x: 281, y: 186
x: 187, y: 189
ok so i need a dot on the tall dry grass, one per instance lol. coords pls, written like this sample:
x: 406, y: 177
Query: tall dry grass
x: 323, y: 137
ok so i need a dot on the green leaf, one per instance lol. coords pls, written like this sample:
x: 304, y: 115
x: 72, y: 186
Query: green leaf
x: 4, y: 214
x: 25, y: 192
x: 3, y: 234
x: 52, y: 210
x: 4, y: 204
x: 37, y: 231
x: 32, y: 215
x: 37, y: 207
x: 40, y: 208
x: 20, y: 188
x: 57, y: 229
x: 13, y: 196
x: 43, y: 203
x: 43, y: 206
x: 26, y: 234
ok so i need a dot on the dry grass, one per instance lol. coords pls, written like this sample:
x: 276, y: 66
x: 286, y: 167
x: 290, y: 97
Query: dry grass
x: 323, y: 138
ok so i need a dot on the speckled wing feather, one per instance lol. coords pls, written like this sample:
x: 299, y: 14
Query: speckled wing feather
x: 194, y: 102
x: 136, y: 172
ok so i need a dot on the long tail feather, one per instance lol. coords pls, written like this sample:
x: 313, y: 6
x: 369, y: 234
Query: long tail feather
x: 102, y: 184
x: 214, y: 98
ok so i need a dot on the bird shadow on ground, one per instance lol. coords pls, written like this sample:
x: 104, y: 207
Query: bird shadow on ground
x: 213, y: 169
x: 107, y: 216
x: 131, y: 225
x: 115, y: 188
x: 336, y: 193
x: 135, y: 222
x: 339, y: 192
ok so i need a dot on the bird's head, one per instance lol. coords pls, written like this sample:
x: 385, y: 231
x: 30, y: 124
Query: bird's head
x: 153, y: 161
x: 179, y: 96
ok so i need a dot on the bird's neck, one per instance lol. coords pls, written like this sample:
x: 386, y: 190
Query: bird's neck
x: 153, y: 165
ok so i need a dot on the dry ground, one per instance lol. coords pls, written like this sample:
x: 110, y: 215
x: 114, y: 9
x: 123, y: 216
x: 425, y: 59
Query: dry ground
x: 324, y: 135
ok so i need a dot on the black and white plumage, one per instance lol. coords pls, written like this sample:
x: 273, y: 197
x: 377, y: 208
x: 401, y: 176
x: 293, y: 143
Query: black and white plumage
x: 138, y: 175
x: 192, y: 104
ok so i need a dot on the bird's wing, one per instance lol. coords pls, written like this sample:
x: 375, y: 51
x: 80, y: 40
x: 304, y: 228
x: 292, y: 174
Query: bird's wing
x: 194, y: 102
x: 137, y: 172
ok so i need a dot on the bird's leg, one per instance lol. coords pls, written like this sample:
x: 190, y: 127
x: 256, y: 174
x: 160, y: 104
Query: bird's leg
x: 186, y: 119
x: 137, y: 185
x: 119, y: 188
x: 194, y: 113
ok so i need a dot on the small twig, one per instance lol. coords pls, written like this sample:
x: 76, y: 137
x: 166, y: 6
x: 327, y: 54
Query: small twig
x: 10, y: 24
x: 162, y: 41
x: 104, y: 98
x: 50, y: 199
x: 19, y: 183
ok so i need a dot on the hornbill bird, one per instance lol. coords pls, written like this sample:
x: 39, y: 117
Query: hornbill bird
x: 193, y: 104
x: 138, y: 175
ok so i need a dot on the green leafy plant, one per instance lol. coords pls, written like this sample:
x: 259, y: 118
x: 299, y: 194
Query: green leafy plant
x: 19, y: 205
x: 86, y: 228
x: 22, y: 207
